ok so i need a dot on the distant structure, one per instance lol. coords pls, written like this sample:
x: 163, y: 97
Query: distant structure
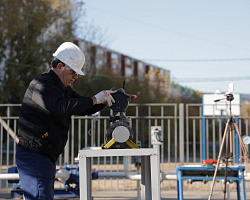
x: 100, y: 60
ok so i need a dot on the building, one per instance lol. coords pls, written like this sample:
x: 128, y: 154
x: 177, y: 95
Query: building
x: 100, y: 60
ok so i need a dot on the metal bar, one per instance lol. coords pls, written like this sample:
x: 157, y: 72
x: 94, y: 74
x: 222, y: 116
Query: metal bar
x: 109, y: 144
x: 169, y: 143
x: 79, y: 134
x: 155, y: 177
x: 86, y: 132
x: 207, y: 139
x: 15, y: 131
x: 137, y: 123
x: 72, y: 139
x: 85, y: 179
x: 247, y: 133
x: 181, y: 133
x: 111, y: 168
x: 213, y: 123
x: 204, y: 149
x: 117, y: 170
x: 6, y: 126
x: 187, y: 134
x: 149, y: 126
x: 66, y: 152
x: 194, y: 141
x: 92, y: 133
x: 175, y: 135
x: 131, y: 144
x: 98, y: 131
x: 105, y: 128
x: 201, y: 121
x: 163, y: 133
x: 220, y: 131
x: 1, y: 153
x: 236, y: 139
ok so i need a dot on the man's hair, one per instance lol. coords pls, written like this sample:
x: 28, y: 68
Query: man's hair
x: 55, y: 62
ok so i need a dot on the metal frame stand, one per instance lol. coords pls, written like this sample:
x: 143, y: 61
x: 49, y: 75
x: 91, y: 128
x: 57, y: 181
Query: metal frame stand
x: 203, y: 173
x: 229, y: 148
x: 150, y: 170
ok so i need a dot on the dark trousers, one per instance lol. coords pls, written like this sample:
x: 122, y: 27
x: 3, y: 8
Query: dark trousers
x: 37, y: 175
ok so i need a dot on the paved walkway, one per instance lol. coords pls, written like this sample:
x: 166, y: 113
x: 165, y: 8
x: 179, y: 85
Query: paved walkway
x: 165, y: 195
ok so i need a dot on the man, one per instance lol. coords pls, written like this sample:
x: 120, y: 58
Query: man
x: 45, y: 118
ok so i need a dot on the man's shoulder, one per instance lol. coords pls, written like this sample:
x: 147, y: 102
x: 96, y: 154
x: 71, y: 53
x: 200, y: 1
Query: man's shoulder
x: 46, y: 76
x: 42, y: 80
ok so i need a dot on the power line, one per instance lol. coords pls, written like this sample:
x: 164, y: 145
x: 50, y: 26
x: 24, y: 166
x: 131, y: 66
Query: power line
x: 199, y: 60
x: 211, y: 79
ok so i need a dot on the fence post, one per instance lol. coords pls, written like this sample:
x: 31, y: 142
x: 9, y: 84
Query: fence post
x: 181, y: 132
x: 237, y: 153
x: 66, y: 153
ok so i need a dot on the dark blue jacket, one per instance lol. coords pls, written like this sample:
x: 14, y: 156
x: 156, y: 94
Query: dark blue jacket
x: 45, y: 114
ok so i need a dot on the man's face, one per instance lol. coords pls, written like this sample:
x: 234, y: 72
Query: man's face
x: 67, y: 75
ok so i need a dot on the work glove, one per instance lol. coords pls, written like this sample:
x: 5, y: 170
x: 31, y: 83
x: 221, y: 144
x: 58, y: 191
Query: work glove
x: 105, y: 97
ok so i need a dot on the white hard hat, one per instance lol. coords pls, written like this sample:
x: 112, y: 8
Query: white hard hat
x: 71, y: 55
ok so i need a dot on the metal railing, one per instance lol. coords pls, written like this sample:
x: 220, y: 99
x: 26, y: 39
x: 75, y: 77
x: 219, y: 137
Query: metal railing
x: 182, y: 129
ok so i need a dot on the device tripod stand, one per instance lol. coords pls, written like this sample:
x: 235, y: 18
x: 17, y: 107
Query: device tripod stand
x: 229, y: 148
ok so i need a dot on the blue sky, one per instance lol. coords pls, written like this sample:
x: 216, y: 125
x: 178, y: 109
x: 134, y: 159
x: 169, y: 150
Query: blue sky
x: 204, y: 44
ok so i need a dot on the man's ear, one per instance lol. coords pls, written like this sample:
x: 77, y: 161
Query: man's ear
x: 59, y: 66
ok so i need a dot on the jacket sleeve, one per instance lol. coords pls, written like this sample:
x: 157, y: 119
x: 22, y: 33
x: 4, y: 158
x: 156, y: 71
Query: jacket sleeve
x: 93, y: 110
x: 47, y: 95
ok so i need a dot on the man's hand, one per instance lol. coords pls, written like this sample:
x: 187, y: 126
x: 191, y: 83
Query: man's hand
x: 105, y: 97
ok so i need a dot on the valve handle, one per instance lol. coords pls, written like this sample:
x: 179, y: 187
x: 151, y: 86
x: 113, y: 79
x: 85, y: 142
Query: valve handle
x: 133, y: 96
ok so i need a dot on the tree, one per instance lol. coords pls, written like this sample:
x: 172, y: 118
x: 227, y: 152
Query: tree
x: 30, y: 32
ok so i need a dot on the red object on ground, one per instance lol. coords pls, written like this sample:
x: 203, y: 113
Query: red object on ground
x: 209, y: 161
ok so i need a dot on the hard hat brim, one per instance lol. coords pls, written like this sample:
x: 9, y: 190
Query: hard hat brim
x: 78, y: 71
